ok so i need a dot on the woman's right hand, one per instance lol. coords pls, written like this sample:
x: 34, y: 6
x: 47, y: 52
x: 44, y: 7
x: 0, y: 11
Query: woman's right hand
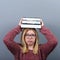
x: 20, y: 22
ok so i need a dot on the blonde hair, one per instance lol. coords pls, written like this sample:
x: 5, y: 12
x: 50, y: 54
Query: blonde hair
x: 24, y: 46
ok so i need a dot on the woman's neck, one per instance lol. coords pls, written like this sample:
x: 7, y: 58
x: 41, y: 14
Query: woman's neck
x: 30, y: 47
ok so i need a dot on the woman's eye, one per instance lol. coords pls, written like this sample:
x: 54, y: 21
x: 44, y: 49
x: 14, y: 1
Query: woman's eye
x: 30, y: 35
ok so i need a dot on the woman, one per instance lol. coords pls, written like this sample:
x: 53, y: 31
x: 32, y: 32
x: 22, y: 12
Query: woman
x: 29, y: 49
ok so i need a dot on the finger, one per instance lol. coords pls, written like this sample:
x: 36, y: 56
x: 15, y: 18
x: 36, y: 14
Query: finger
x: 42, y: 22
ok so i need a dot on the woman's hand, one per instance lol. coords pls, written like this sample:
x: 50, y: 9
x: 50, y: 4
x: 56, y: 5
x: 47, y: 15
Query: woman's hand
x: 20, y: 22
x: 42, y: 24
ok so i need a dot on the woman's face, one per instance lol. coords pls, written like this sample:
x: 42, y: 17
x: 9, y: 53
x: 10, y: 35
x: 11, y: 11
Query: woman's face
x: 30, y: 37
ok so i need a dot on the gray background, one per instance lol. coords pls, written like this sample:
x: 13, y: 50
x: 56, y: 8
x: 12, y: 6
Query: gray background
x: 12, y: 10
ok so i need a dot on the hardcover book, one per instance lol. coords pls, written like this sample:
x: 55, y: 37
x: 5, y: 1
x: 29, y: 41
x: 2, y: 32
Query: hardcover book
x: 31, y: 23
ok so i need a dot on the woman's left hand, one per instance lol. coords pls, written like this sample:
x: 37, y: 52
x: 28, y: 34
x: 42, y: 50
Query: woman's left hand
x: 42, y: 24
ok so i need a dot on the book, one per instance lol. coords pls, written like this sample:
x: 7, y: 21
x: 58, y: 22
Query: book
x: 37, y: 19
x: 30, y: 26
x: 31, y: 23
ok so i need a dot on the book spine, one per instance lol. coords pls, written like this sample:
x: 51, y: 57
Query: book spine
x: 31, y: 22
x: 30, y: 26
x: 31, y: 19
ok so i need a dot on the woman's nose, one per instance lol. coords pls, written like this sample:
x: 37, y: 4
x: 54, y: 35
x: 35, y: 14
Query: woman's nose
x: 30, y: 37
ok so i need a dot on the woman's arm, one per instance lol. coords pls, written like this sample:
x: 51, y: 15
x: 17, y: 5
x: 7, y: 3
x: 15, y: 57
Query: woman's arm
x: 51, y: 40
x: 9, y: 39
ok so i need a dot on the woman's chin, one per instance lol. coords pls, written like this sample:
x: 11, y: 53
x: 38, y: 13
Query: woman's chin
x: 30, y: 44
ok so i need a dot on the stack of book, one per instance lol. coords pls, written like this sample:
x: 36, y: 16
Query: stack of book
x: 31, y: 23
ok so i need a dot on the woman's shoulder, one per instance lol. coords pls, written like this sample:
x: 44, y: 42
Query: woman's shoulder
x: 20, y: 45
x: 40, y: 46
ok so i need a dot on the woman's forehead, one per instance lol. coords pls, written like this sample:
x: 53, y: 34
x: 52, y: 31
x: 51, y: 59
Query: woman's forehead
x: 31, y: 31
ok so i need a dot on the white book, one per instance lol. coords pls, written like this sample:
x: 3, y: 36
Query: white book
x: 30, y: 22
x: 30, y: 26
x: 31, y: 19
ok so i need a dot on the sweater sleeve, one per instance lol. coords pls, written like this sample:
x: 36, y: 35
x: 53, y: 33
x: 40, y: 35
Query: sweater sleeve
x: 9, y: 39
x: 51, y: 41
